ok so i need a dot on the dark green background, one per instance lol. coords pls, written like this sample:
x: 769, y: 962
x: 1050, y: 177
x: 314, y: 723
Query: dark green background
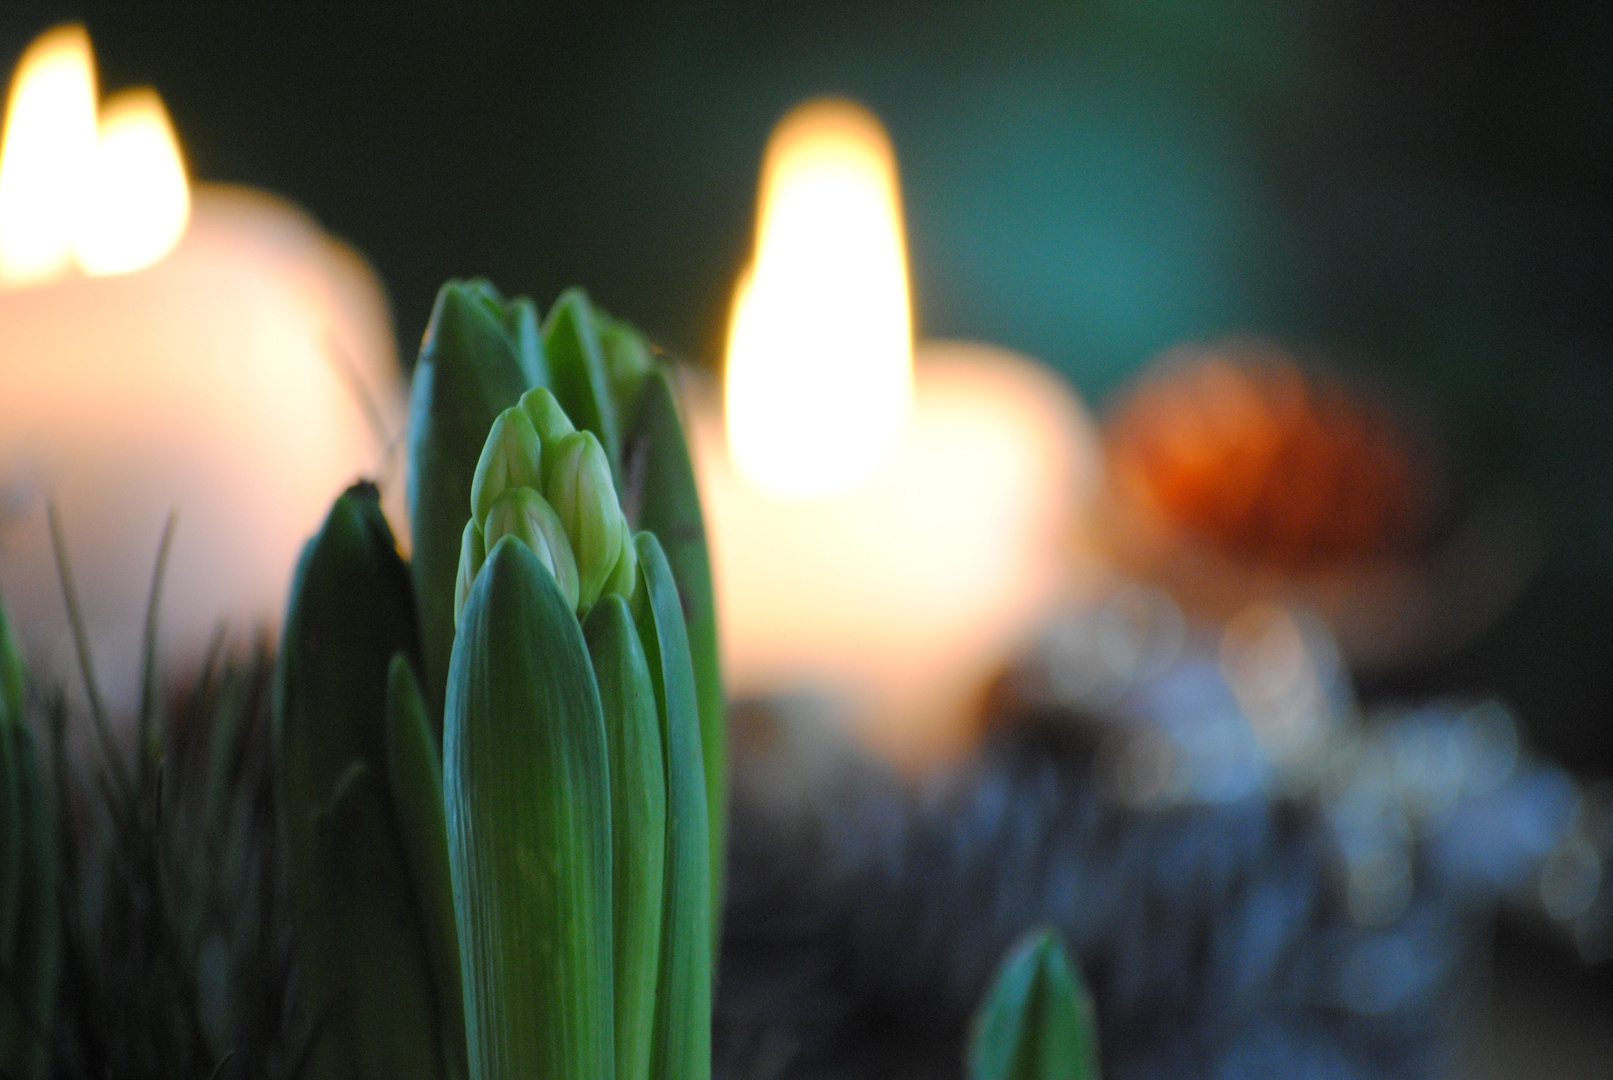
x: 1419, y: 187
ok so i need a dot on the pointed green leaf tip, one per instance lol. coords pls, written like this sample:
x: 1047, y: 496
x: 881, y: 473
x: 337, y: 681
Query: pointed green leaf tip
x: 522, y: 324
x: 362, y: 935
x: 526, y: 786
x: 478, y: 356
x: 577, y: 370
x: 1036, y: 1022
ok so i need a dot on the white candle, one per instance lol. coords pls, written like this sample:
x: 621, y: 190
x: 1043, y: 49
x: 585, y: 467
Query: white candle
x: 882, y: 531
x: 241, y: 379
x: 902, y: 596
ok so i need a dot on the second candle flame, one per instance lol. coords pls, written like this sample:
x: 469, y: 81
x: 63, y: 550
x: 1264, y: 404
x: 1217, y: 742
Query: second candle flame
x: 104, y: 189
x: 819, y: 378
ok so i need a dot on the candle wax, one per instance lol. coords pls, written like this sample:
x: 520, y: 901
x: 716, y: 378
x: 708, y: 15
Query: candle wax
x: 241, y: 381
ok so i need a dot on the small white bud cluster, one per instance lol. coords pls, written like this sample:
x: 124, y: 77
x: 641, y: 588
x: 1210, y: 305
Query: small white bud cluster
x: 549, y: 485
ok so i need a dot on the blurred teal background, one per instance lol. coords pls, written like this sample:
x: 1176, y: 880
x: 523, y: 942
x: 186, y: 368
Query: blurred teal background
x: 1420, y: 189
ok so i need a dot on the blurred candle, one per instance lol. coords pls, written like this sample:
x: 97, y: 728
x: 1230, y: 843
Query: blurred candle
x: 208, y: 352
x: 885, y: 532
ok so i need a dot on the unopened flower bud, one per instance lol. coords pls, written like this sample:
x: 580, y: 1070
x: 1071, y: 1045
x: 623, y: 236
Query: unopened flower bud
x: 511, y: 457
x: 578, y: 485
x: 549, y: 420
x: 623, y: 579
x: 472, y: 553
x: 521, y: 512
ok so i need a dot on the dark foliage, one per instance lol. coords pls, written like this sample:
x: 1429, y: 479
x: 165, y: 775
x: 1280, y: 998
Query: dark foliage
x: 866, y: 918
x: 177, y: 957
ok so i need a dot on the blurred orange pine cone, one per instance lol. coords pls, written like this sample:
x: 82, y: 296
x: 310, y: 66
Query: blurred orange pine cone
x: 1271, y: 465
x: 1236, y: 475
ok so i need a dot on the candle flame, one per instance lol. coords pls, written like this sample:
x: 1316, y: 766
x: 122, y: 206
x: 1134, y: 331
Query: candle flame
x: 819, y: 380
x: 107, y: 193
x: 49, y: 144
x: 138, y: 199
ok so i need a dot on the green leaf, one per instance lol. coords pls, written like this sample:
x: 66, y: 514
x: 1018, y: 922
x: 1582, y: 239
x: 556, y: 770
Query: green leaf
x: 31, y: 949
x: 1036, y: 1022
x: 638, y: 824
x: 414, y: 774
x: 13, y: 679
x: 668, y: 505
x: 527, y: 789
x: 364, y: 961
x: 577, y: 371
x: 383, y: 1009
x: 38, y: 955
x: 682, y: 1045
x: 13, y: 829
x: 521, y: 322
x: 627, y: 359
x: 470, y: 370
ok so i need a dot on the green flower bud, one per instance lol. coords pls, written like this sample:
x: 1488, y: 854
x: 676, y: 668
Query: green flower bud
x: 548, y: 418
x: 623, y: 579
x: 472, y: 553
x: 522, y: 513
x: 578, y: 485
x: 511, y: 457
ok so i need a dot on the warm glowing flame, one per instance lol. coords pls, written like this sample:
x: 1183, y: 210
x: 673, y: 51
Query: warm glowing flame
x: 49, y: 145
x: 107, y: 194
x: 819, y: 379
x: 137, y: 198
